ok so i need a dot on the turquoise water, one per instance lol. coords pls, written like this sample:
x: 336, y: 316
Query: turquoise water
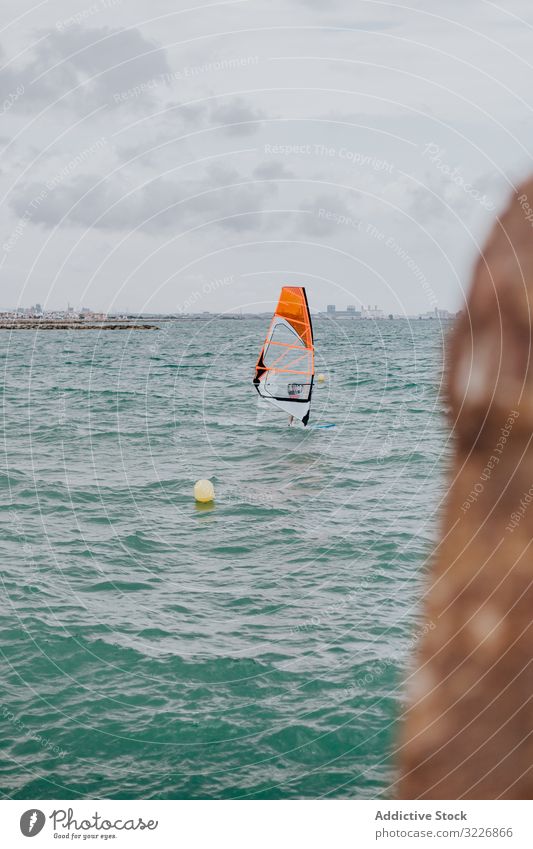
x: 255, y: 649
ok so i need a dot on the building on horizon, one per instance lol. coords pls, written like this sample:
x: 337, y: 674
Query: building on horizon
x: 372, y: 312
x: 351, y: 311
x: 437, y: 314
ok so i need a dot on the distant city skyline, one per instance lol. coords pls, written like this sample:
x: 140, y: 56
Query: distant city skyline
x: 328, y: 308
x: 331, y: 312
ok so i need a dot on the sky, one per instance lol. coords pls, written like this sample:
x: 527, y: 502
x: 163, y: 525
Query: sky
x: 199, y: 158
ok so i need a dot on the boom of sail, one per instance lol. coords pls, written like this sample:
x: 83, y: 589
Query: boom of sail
x: 286, y: 365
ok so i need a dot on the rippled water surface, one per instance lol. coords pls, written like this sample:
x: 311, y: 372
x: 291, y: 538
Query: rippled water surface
x: 255, y: 649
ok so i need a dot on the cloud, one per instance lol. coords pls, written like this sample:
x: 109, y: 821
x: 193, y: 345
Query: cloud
x: 326, y: 213
x: 161, y: 205
x: 9, y: 81
x: 238, y: 116
x: 343, y: 8
x: 273, y: 171
x: 181, y: 119
x: 97, y: 62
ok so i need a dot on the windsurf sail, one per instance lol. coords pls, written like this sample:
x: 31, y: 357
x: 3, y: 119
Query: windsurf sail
x: 286, y: 365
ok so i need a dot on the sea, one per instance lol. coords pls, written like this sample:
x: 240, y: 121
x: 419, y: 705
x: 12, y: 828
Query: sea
x: 255, y: 648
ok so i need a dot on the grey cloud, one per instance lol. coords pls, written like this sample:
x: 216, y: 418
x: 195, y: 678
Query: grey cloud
x: 161, y: 205
x: 238, y: 116
x: 372, y: 24
x: 325, y: 214
x: 273, y: 171
x: 318, y: 4
x: 192, y: 113
x: 180, y: 119
x: 103, y: 61
x: 366, y: 26
x: 441, y: 197
x: 9, y: 81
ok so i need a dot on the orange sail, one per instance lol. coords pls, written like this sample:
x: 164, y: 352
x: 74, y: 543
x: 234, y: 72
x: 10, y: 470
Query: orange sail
x: 285, y: 369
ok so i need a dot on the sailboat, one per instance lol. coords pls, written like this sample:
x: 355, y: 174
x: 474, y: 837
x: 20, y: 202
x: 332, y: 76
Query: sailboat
x: 286, y: 366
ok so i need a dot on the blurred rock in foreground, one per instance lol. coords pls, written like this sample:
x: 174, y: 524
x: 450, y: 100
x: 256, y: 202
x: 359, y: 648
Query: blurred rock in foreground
x: 468, y: 731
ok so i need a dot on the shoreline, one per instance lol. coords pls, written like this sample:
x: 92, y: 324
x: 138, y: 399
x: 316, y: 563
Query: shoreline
x: 71, y: 325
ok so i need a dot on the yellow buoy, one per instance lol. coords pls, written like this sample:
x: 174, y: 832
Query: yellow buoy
x: 204, y: 491
x: 321, y: 378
